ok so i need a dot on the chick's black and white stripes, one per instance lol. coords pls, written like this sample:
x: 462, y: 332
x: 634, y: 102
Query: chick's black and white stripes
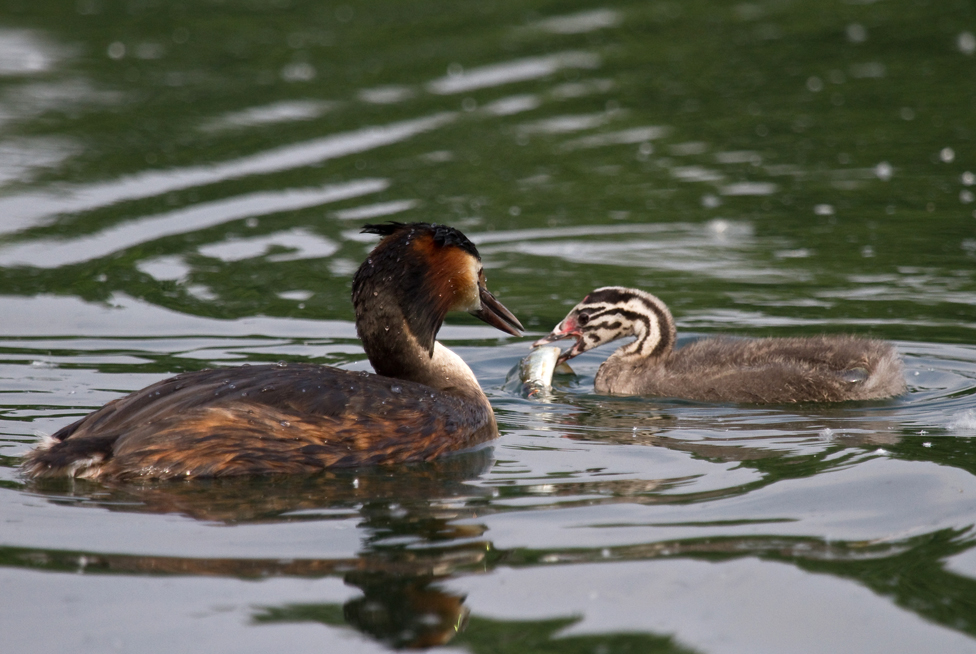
x: 614, y: 312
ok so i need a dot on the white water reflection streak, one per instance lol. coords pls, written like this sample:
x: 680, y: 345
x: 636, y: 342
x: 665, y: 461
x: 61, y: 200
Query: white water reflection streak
x: 23, y: 52
x: 30, y: 209
x: 719, y: 248
x: 126, y: 317
x: 52, y: 253
x: 302, y: 243
x: 375, y: 210
x: 579, y: 23
x: 272, y: 114
x: 622, y: 137
x: 22, y: 157
x: 520, y: 70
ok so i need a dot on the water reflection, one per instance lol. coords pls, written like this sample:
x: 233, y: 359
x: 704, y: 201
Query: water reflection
x: 280, y: 112
x: 406, y: 517
x: 376, y: 210
x: 399, y: 612
x: 579, y: 23
x: 460, y: 80
x: 53, y: 253
x: 622, y: 137
x: 35, y: 208
x: 300, y: 243
x: 24, y: 52
x: 23, y: 158
x: 424, y: 542
x: 719, y: 248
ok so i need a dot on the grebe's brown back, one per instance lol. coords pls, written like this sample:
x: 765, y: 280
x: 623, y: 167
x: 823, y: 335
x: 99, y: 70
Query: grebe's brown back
x: 292, y: 418
x: 762, y: 370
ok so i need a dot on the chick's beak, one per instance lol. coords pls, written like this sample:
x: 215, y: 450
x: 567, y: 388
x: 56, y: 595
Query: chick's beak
x: 495, y: 314
x: 566, y: 329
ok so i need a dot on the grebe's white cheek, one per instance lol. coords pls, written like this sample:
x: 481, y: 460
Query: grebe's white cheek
x: 469, y: 296
x: 470, y: 302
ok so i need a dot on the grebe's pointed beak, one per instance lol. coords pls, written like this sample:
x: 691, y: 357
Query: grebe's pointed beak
x: 495, y: 314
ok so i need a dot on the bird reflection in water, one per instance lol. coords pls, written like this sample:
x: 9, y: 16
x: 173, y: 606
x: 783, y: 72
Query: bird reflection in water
x: 400, y: 611
x: 402, y: 604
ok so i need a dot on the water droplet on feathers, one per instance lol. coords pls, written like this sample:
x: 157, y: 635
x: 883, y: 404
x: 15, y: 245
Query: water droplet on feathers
x: 854, y: 375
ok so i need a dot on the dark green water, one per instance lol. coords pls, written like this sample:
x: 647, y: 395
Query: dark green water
x: 181, y: 186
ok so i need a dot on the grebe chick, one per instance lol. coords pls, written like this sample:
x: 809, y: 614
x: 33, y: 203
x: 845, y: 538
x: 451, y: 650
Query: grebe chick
x: 424, y: 400
x: 722, y: 369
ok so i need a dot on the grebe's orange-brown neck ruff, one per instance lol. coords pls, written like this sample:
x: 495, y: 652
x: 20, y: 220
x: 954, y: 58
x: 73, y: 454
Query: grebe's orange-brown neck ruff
x: 293, y: 418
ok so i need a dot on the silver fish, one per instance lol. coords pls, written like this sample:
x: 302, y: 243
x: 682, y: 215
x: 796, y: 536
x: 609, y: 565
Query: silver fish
x: 537, y: 367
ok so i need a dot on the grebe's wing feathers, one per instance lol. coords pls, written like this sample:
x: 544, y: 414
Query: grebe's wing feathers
x: 264, y: 419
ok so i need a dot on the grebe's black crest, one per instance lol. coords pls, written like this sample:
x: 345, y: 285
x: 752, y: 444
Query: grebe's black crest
x: 301, y: 417
x: 442, y: 234
x: 764, y: 370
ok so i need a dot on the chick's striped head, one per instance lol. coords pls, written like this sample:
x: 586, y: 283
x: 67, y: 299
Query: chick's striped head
x: 614, y: 312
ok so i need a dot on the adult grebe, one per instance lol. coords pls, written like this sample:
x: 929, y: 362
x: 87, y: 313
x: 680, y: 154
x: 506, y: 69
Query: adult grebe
x: 763, y: 370
x: 292, y: 418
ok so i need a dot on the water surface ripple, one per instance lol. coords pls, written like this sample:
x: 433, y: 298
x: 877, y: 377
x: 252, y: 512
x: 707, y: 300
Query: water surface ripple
x: 182, y: 187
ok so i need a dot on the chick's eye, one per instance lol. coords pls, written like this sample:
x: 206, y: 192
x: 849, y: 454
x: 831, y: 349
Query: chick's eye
x: 583, y: 318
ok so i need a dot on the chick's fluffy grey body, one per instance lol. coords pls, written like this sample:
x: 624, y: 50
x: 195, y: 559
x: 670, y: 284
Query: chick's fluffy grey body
x: 765, y: 370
